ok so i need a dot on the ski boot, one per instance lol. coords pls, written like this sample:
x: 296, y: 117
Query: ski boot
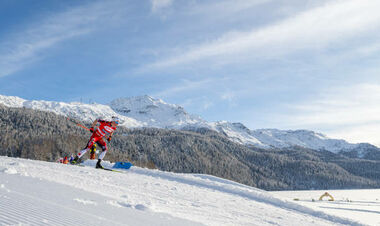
x: 76, y: 161
x: 98, y: 165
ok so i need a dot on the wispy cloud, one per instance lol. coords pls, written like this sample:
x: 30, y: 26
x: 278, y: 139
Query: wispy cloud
x: 26, y: 47
x: 184, y: 86
x: 160, y: 4
x: 202, y: 103
x: 315, y: 29
x: 366, y: 133
x: 343, y: 105
x: 350, y: 112
x: 223, y: 8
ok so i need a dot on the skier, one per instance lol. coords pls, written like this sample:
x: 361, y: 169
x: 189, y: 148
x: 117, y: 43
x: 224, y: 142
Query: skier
x: 105, y: 129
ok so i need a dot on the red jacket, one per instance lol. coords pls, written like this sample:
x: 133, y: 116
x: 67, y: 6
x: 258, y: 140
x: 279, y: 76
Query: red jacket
x: 105, y: 128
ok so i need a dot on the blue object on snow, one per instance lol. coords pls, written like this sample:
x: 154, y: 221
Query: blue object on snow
x: 122, y: 165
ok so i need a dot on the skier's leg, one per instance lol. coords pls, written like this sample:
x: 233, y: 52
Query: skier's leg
x: 88, y: 147
x: 103, y: 145
x: 82, y: 152
x: 101, y: 156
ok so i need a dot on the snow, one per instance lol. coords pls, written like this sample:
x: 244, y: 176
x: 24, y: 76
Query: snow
x: 359, y: 205
x: 145, y: 111
x: 10, y: 171
x: 237, y: 132
x: 44, y: 193
x: 81, y: 111
x: 303, y: 138
x: 155, y: 112
x: 12, y: 101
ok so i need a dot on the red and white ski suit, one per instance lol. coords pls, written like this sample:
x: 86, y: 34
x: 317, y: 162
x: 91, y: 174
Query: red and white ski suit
x: 104, y: 130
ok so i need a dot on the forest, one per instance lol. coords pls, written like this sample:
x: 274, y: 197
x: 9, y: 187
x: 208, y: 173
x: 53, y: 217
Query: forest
x: 40, y: 135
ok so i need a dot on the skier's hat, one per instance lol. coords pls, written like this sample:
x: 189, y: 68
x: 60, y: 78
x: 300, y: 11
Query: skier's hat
x: 116, y: 120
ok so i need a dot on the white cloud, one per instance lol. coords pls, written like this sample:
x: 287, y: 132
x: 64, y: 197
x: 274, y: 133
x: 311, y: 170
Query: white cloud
x: 201, y: 103
x: 207, y: 104
x: 183, y: 86
x: 26, y: 47
x: 223, y: 8
x: 351, y: 113
x: 228, y: 95
x: 160, y: 4
x: 356, y: 104
x: 359, y: 134
x: 314, y: 29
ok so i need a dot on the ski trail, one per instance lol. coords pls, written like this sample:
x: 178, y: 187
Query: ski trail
x: 233, y: 188
x: 196, y: 198
x: 19, y: 207
x: 49, y: 203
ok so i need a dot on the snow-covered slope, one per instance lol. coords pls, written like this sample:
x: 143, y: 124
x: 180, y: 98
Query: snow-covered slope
x: 145, y: 111
x: 274, y: 138
x: 155, y: 112
x: 361, y: 205
x: 43, y: 193
x: 239, y: 133
x: 303, y: 138
x: 84, y: 112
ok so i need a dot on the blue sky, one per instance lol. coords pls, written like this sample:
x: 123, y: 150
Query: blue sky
x: 266, y: 63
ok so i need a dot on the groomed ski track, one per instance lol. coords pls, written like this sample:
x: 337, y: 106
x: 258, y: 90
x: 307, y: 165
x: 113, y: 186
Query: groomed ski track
x: 43, y: 193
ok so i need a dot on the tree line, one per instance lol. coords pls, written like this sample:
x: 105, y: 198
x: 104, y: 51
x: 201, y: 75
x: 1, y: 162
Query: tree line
x: 40, y: 135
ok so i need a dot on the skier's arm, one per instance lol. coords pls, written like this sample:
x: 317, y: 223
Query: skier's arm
x: 93, y: 125
x: 110, y: 137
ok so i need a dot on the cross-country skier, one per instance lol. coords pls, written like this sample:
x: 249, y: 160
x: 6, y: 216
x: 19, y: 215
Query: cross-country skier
x: 105, y: 129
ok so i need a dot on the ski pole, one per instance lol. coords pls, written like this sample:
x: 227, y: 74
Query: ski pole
x: 78, y: 124
x: 83, y: 127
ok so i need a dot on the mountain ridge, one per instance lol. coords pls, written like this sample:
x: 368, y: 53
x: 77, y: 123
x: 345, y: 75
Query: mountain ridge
x: 43, y: 135
x: 146, y: 111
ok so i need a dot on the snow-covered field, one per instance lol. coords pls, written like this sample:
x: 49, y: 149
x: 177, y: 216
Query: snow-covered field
x: 359, y: 205
x: 44, y: 193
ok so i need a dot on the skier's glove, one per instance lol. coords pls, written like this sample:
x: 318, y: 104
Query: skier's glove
x: 109, y: 139
x: 92, y: 129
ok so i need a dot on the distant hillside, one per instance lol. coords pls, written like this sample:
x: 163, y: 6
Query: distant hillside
x: 145, y: 111
x: 43, y: 135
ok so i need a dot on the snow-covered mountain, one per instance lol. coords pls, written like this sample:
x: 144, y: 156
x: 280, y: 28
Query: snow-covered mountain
x: 239, y: 133
x: 81, y: 111
x: 59, y: 194
x: 303, y: 138
x: 274, y: 138
x: 155, y: 112
x: 145, y: 111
